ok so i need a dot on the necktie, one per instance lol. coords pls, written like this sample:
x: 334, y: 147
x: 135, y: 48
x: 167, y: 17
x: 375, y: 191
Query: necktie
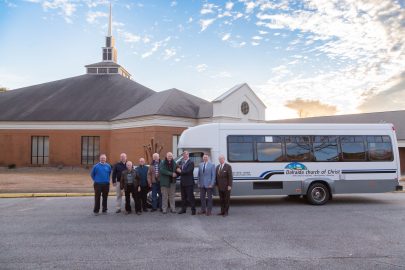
x: 220, y: 169
x: 204, y: 168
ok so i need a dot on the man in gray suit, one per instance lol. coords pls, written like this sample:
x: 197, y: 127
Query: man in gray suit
x: 206, y: 181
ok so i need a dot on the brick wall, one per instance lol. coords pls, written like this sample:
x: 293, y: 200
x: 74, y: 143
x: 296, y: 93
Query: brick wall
x: 65, y: 145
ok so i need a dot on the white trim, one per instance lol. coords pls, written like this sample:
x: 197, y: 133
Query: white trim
x: 85, y: 125
x: 226, y: 119
x: 146, y: 121
x: 156, y: 120
x: 401, y: 143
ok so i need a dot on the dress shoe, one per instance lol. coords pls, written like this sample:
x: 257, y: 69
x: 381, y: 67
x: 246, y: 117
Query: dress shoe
x: 145, y: 210
x: 220, y: 214
x: 193, y: 212
x: 225, y: 215
x: 153, y: 210
x: 181, y: 212
x: 201, y: 212
x: 118, y: 211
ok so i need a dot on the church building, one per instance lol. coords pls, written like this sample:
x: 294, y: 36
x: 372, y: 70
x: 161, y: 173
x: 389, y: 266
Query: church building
x: 69, y: 122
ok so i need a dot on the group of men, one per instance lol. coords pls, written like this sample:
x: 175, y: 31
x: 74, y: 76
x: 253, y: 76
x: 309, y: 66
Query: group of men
x: 160, y: 177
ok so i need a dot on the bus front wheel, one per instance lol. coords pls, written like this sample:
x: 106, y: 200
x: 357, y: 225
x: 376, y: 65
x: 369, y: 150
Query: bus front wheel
x: 318, y: 194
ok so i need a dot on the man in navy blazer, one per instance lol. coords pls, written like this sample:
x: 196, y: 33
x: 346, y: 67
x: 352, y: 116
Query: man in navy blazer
x: 206, y: 182
x: 186, y: 172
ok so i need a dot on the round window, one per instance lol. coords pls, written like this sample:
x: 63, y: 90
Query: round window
x: 244, y: 107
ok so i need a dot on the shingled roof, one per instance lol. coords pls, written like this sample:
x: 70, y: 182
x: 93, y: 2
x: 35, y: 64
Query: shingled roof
x: 172, y: 102
x: 97, y: 98
x: 82, y: 98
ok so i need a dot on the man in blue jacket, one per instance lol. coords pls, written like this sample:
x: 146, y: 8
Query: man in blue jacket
x: 101, y: 177
x: 206, y: 182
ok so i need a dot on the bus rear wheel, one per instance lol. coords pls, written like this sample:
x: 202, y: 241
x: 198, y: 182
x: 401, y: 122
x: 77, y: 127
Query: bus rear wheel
x: 318, y: 194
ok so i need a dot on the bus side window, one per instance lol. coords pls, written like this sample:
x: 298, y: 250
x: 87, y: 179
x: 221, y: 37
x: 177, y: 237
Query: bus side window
x: 379, y: 148
x: 353, y: 148
x: 270, y: 149
x: 298, y: 148
x: 240, y: 148
x: 325, y: 148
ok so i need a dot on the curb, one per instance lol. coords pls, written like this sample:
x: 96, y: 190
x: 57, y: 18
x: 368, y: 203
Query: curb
x: 41, y: 195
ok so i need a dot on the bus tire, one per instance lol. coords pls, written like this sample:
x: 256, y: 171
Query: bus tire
x: 318, y: 194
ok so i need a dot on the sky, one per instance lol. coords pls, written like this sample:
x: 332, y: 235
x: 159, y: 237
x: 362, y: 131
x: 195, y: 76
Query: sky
x: 302, y: 58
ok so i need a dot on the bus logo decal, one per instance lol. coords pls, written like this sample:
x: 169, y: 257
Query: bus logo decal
x: 296, y: 166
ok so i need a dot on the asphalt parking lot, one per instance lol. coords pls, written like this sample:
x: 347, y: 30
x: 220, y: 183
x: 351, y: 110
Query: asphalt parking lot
x: 350, y: 232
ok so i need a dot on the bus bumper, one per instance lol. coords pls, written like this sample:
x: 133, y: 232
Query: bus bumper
x: 399, y: 188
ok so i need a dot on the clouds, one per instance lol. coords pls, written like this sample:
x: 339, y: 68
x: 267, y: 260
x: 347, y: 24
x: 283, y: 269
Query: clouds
x: 226, y: 36
x: 169, y: 53
x: 342, y: 53
x: 92, y: 16
x: 364, y: 42
x: 229, y: 5
x: 131, y: 38
x: 205, y: 23
x: 208, y: 8
x: 65, y: 8
x: 391, y: 99
x: 156, y: 46
x: 201, y: 68
x: 222, y: 74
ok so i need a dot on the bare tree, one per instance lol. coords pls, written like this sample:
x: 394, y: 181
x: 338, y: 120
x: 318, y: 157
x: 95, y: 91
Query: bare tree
x: 309, y: 108
x: 151, y: 148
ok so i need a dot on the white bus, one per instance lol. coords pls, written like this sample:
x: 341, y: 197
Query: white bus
x: 311, y: 160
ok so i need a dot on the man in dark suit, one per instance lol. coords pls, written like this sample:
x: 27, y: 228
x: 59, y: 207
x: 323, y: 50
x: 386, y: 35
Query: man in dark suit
x: 186, y: 172
x: 224, y: 183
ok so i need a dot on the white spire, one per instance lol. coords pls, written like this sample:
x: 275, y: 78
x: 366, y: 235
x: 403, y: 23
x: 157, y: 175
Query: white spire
x: 110, y: 23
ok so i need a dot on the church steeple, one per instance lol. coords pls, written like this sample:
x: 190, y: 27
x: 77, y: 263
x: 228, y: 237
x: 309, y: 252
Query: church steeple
x: 109, y: 64
x: 109, y: 51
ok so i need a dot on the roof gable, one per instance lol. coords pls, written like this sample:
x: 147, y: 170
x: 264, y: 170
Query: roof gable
x: 235, y: 89
x: 172, y: 102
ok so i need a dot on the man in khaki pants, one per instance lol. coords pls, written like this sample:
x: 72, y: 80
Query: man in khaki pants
x: 167, y: 170
x: 118, y: 168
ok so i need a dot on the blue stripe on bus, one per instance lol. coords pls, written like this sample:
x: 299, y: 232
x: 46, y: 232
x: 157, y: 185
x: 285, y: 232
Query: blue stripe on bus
x: 273, y: 172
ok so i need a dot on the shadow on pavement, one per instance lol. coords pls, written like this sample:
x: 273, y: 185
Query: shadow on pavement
x: 285, y: 200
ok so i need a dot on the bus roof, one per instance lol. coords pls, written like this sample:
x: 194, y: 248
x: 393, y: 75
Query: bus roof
x: 301, y: 126
x: 196, y: 137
